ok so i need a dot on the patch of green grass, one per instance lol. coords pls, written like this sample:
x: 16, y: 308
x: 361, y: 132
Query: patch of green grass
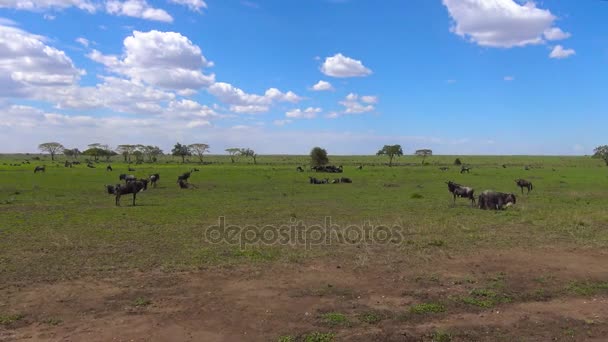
x: 10, y: 319
x: 370, y: 317
x: 52, y: 321
x: 587, y: 288
x: 286, y: 339
x: 416, y: 195
x: 335, y: 319
x: 141, y: 302
x: 484, y: 298
x: 427, y: 308
x: 319, y: 337
x: 441, y: 336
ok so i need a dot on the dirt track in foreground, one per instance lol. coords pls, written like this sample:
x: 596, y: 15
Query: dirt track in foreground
x: 266, y: 301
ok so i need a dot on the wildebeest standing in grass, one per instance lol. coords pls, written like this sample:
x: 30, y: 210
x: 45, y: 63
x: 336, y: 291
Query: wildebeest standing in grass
x: 184, y: 176
x: 40, y: 169
x: 299, y: 169
x: 154, y: 178
x: 126, y: 178
x: 132, y: 187
x: 464, y: 169
x: 492, y: 200
x: 458, y: 190
x: 522, y: 183
x: 109, y: 168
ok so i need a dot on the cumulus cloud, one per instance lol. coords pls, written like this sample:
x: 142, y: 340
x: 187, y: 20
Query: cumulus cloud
x: 82, y: 41
x: 194, y: 5
x: 308, y: 113
x: 165, y: 59
x: 28, y: 66
x: 38, y: 5
x: 281, y: 122
x: 355, y: 104
x: 342, y: 66
x: 502, y: 23
x: 322, y: 86
x: 242, y: 102
x: 559, y: 52
x: 137, y: 9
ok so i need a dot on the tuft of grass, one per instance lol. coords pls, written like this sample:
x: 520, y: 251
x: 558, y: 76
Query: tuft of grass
x: 52, y: 321
x: 335, y: 319
x: 286, y: 339
x: 319, y: 337
x: 441, y: 336
x: 10, y: 319
x: 416, y: 195
x: 587, y: 288
x: 141, y: 302
x: 370, y: 317
x: 437, y: 243
x: 427, y: 308
x: 484, y: 298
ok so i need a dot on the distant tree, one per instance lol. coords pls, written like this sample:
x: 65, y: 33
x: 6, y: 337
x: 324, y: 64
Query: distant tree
x: 150, y: 152
x: 391, y: 151
x: 72, y: 153
x: 94, y: 152
x: 126, y: 151
x: 233, y: 152
x: 199, y: 149
x: 249, y: 153
x: 424, y: 153
x: 180, y: 150
x: 51, y: 148
x: 457, y: 162
x: 318, y: 157
x: 601, y: 152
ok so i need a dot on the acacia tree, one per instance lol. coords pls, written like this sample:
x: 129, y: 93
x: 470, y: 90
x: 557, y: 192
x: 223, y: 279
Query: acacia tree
x: 181, y: 151
x: 601, y: 152
x: 150, y: 151
x: 249, y: 153
x: 391, y: 151
x: 126, y: 151
x: 233, y: 152
x: 72, y: 153
x: 424, y: 153
x: 199, y: 149
x: 51, y: 148
x: 318, y: 157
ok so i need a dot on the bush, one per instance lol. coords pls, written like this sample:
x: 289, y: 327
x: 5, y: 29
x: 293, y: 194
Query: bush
x: 318, y: 157
x: 457, y: 161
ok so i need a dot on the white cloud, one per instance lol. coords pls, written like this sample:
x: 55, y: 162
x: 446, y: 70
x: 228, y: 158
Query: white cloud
x: 28, y: 66
x: 282, y: 122
x: 137, y: 9
x: 242, y: 102
x: 164, y: 59
x: 502, y: 23
x: 194, y: 5
x: 342, y: 66
x: 82, y: 41
x: 353, y: 104
x: 38, y: 5
x: 555, y: 33
x: 308, y: 113
x: 509, y: 78
x: 322, y: 86
x: 559, y: 52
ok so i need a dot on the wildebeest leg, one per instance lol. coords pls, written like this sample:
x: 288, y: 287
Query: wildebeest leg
x: 134, y: 194
x: 118, y: 199
x: 522, y: 190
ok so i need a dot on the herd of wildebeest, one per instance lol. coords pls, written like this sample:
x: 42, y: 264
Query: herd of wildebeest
x: 487, y: 200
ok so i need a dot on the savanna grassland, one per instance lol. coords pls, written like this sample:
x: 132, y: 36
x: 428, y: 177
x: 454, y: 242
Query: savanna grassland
x: 73, y: 266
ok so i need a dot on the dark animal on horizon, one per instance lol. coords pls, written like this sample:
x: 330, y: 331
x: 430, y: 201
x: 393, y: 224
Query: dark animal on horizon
x: 328, y: 169
x: 458, y: 190
x: 109, y: 168
x: 126, y: 178
x: 184, y: 176
x: 314, y: 180
x: 195, y: 170
x: 522, y: 183
x: 132, y: 187
x: 360, y: 167
x: 444, y: 168
x: 131, y: 169
x: 341, y: 180
x: 154, y: 178
x: 185, y: 185
x: 299, y: 169
x: 40, y: 169
x: 492, y: 200
x: 465, y: 169
x: 504, y: 166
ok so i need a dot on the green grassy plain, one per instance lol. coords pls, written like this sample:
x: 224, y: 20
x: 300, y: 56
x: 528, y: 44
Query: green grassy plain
x: 61, y: 224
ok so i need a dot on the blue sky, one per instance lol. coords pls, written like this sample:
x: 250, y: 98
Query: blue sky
x: 457, y: 76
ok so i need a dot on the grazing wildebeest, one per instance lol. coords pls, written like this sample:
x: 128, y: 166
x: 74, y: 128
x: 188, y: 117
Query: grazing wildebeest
x: 154, y: 178
x: 184, y: 176
x: 522, y: 183
x: 465, y: 169
x: 461, y: 191
x: 40, y: 168
x: 504, y: 166
x: 492, y: 200
x: 195, y: 170
x: 131, y: 169
x: 109, y: 168
x: 126, y: 178
x: 299, y: 169
x: 345, y: 180
x: 132, y: 187
x: 360, y: 167
x: 444, y: 168
x: 185, y: 185
x: 112, y: 189
x: 313, y: 180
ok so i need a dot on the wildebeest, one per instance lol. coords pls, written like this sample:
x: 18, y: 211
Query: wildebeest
x: 313, y: 180
x: 67, y: 164
x: 492, y: 200
x: 109, y: 168
x: 328, y: 168
x: 299, y: 169
x: 154, y: 178
x: 195, y: 170
x: 360, y: 167
x: 345, y: 180
x: 504, y: 166
x: 126, y: 178
x: 131, y: 169
x: 40, y: 168
x: 444, y: 168
x: 527, y: 168
x: 112, y: 189
x: 522, y: 183
x: 461, y: 191
x: 464, y: 169
x: 184, y: 176
x: 132, y: 187
x: 184, y: 184
x: 91, y: 166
